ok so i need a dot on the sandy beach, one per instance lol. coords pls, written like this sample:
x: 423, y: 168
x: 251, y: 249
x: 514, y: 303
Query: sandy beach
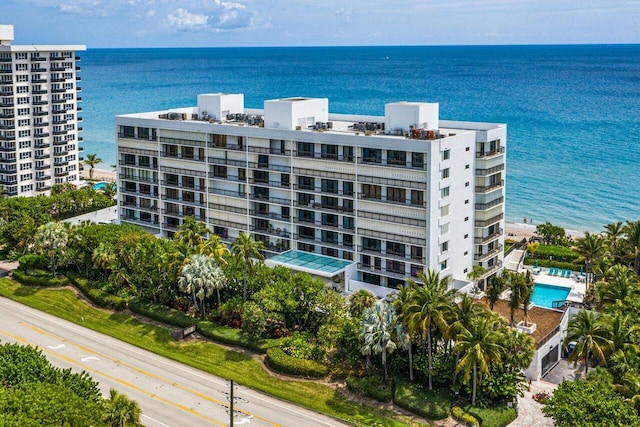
x: 99, y: 174
x: 518, y: 231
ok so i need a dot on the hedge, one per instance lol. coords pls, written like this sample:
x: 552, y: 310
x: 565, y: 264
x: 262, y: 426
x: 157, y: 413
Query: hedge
x: 430, y: 404
x: 553, y: 263
x: 280, y: 362
x: 162, y: 313
x: 45, y: 281
x: 558, y: 253
x: 497, y: 416
x: 96, y: 295
x: 459, y: 414
x: 372, y: 386
x: 229, y: 336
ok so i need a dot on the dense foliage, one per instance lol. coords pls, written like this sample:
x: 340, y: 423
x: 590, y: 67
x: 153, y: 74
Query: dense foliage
x: 35, y: 393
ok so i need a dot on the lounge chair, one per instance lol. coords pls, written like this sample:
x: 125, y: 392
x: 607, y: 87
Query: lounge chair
x: 556, y: 271
x: 568, y: 274
x: 550, y: 272
x: 562, y: 272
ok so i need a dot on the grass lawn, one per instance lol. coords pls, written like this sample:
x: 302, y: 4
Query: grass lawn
x: 206, y: 356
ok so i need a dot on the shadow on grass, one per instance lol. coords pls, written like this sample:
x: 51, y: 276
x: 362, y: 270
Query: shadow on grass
x: 360, y: 415
x: 234, y: 356
x: 26, y: 291
x: 159, y: 334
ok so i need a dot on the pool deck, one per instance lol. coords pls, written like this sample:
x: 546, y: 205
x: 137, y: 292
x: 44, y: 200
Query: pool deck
x: 578, y: 289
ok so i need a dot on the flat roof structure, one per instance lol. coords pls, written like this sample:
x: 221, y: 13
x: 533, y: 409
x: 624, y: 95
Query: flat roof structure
x: 318, y: 265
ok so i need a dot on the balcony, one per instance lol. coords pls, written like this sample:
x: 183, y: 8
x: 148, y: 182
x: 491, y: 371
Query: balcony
x: 5, y: 59
x: 38, y: 92
x: 59, y: 68
x: 489, y: 238
x: 59, y: 121
x: 8, y: 127
x: 38, y: 58
x: 8, y: 149
x: 61, y: 153
x: 43, y: 167
x: 59, y: 90
x: 488, y: 222
x: 488, y: 154
x: 7, y: 115
x: 39, y: 81
x: 7, y: 103
x: 490, y: 187
x: 485, y: 256
x: 43, y: 145
x: 6, y: 71
x: 491, y: 269
x: 7, y: 137
x: 6, y: 93
x: 60, y: 101
x: 41, y: 124
x: 45, y: 177
x: 38, y: 70
x: 61, y: 174
x: 45, y: 102
x: 59, y: 132
x: 489, y: 205
x: 490, y: 171
x: 41, y: 113
x: 43, y: 188
x: 58, y: 163
x: 41, y: 135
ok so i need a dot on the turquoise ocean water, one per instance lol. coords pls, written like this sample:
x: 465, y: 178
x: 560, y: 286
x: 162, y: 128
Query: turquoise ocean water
x: 573, y: 111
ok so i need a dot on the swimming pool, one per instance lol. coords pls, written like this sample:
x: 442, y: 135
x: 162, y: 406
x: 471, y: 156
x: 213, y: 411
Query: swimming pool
x: 545, y: 295
x: 100, y: 185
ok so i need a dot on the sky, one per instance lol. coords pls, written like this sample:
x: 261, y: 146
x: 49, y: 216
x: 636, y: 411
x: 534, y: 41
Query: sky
x: 217, y: 23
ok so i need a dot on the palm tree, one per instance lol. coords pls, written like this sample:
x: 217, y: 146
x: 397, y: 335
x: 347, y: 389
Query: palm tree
x: 110, y: 189
x: 359, y: 301
x: 51, y: 238
x: 620, y: 282
x: 516, y: 286
x: 589, y: 247
x: 378, y: 325
x: 621, y: 331
x: 213, y: 247
x: 428, y: 308
x: 479, y: 346
x: 613, y: 233
x: 495, y: 288
x: 590, y: 336
x: 476, y: 272
x: 244, y: 246
x: 92, y: 160
x: 525, y: 294
x: 632, y: 238
x: 400, y: 300
x: 518, y: 349
x: 103, y: 259
x: 199, y: 277
x: 120, y: 411
x: 191, y: 233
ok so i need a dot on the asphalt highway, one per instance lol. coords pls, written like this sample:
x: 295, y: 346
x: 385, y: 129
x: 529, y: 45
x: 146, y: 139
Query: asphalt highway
x: 169, y: 393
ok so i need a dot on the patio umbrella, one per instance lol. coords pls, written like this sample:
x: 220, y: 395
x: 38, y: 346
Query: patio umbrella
x: 535, y: 265
x: 581, y: 270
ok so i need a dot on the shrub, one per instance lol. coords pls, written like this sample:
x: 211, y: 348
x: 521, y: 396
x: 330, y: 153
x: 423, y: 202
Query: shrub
x: 254, y: 320
x: 302, y: 345
x: 372, y: 386
x: 32, y: 261
x: 96, y: 295
x: 161, y: 313
x: 459, y: 414
x: 493, y: 416
x: 430, y: 404
x: 558, y: 253
x: 552, y: 263
x: 44, y: 281
x: 280, y: 362
x: 229, y: 336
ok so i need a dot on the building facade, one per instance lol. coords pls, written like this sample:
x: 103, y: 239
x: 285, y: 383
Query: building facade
x: 392, y: 194
x: 39, y: 123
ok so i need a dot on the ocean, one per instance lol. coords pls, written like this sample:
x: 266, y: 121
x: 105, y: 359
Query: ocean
x: 573, y: 112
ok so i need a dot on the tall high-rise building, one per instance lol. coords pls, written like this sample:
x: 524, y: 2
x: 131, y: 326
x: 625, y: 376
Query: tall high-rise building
x: 364, y: 201
x: 39, y: 123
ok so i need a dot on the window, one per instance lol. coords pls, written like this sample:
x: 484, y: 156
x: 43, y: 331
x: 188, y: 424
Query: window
x: 395, y: 267
x: 285, y: 213
x: 187, y: 153
x: 417, y: 160
x: 446, y: 154
x: 396, y: 194
x: 261, y: 177
x: 466, y: 202
x: 466, y: 218
x: 416, y: 253
x: 443, y: 265
x: 444, y: 173
x: 444, y: 247
x: 417, y: 197
x: 466, y: 149
x: 371, y: 155
x: 347, y: 242
x: 466, y: 184
x: 371, y: 244
x: 218, y: 141
x: 444, y: 228
x: 263, y: 161
x: 466, y: 166
x: 220, y: 171
x: 306, y: 183
x: 329, y: 151
x: 466, y: 253
x: 330, y: 220
x: 23, y: 111
x: 347, y: 153
x: 347, y: 188
x: 144, y: 161
x: 466, y: 236
x: 370, y: 191
x: 284, y: 180
x: 242, y: 174
x: 23, y: 78
x: 129, y: 159
x: 22, y: 67
x: 444, y: 192
x: 23, y: 89
x: 444, y: 210
x: 348, y: 223
x: 171, y: 179
x: 329, y: 186
x: 394, y: 248
x: 305, y: 149
x: 329, y: 236
x: 24, y: 122
x: 396, y: 157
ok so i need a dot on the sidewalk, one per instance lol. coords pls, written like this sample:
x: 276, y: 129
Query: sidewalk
x: 529, y: 411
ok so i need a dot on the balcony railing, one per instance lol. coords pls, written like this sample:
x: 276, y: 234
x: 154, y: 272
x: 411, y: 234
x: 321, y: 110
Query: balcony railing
x: 486, y: 154
x: 488, y: 222
x: 489, y: 205
x: 491, y: 187
x: 489, y: 238
x: 487, y: 255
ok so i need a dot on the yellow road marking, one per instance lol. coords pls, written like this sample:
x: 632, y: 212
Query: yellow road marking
x: 150, y: 374
x: 124, y: 383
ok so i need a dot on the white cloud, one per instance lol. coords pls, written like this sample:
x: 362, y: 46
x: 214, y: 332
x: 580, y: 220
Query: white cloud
x: 151, y: 13
x: 185, y: 21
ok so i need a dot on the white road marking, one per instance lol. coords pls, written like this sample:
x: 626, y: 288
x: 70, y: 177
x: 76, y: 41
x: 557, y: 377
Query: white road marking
x: 56, y: 347
x: 86, y: 359
x: 155, y: 421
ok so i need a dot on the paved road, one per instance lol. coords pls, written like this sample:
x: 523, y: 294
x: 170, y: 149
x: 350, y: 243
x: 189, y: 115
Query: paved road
x: 169, y: 393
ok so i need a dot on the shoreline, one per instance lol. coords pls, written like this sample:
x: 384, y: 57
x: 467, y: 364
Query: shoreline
x: 99, y: 174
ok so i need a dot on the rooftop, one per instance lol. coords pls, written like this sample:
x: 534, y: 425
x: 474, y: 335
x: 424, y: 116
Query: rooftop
x: 318, y: 265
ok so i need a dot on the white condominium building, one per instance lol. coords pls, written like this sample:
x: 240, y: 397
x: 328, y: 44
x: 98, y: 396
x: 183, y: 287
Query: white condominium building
x: 39, y: 121
x: 363, y: 201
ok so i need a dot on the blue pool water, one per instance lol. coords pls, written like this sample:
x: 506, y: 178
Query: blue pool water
x: 100, y: 185
x: 545, y: 295
x: 311, y: 261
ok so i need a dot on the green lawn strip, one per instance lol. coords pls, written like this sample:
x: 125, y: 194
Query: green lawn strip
x: 201, y: 355
x: 496, y: 416
x: 430, y: 404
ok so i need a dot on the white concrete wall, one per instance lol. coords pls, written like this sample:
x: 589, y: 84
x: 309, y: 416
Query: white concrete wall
x: 218, y: 105
x: 404, y: 115
x: 289, y: 113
